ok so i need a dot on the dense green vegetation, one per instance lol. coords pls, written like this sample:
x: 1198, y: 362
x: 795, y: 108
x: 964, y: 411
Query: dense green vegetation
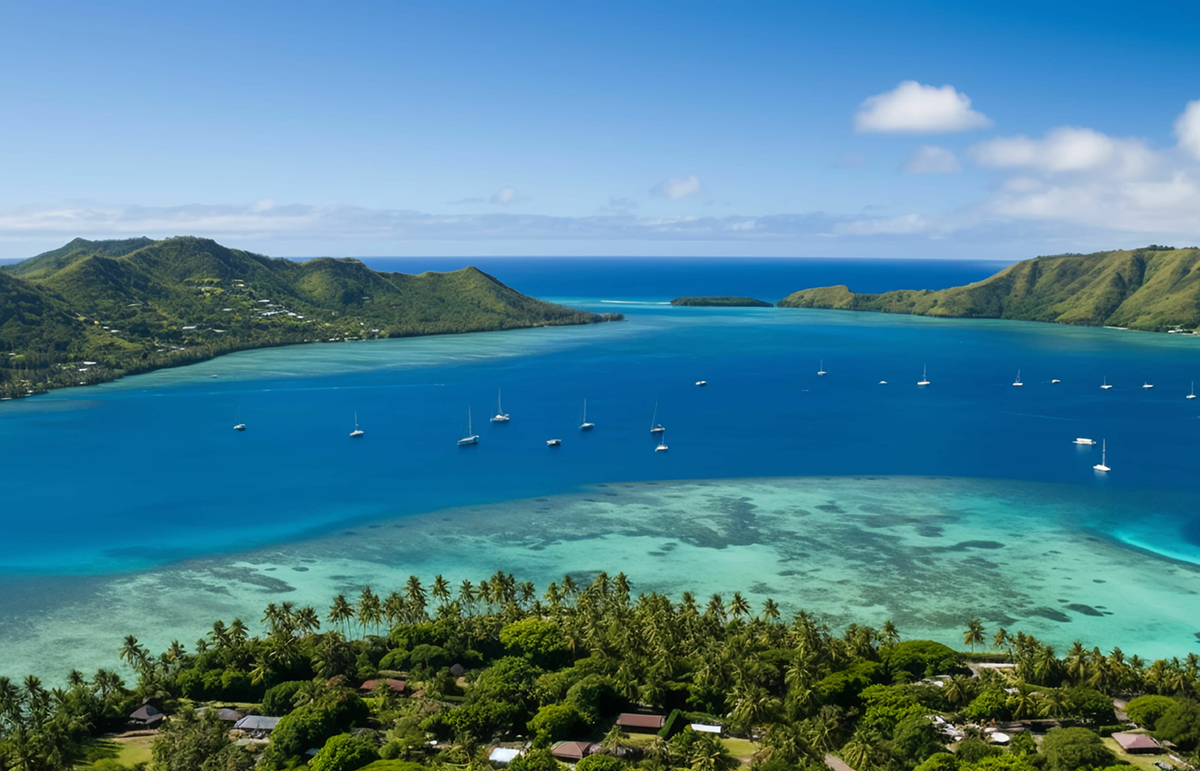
x: 95, y: 310
x: 1156, y: 289
x: 495, y: 662
x: 723, y: 302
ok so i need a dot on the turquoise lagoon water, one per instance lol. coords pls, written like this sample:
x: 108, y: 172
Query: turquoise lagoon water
x: 133, y: 508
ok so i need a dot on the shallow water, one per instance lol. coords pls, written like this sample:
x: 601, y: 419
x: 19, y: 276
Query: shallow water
x: 140, y: 474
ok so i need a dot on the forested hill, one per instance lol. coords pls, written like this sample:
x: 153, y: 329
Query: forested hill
x: 1156, y: 288
x: 95, y: 310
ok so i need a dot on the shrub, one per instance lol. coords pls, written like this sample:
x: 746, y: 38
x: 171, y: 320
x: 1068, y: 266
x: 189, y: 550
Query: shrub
x: 1069, y: 749
x: 842, y: 688
x: 1091, y: 706
x: 972, y: 750
x: 539, y: 641
x: 1181, y: 725
x: 915, y: 739
x: 279, y: 700
x: 555, y: 722
x: 991, y: 704
x: 1146, y: 710
x: 922, y: 658
x: 600, y: 762
x: 940, y: 761
x: 343, y: 753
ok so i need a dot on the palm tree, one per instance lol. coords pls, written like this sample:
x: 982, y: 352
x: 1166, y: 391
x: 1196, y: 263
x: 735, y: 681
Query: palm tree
x: 370, y: 613
x: 1001, y: 638
x: 133, y: 653
x: 440, y: 590
x: 974, y: 634
x: 340, y: 612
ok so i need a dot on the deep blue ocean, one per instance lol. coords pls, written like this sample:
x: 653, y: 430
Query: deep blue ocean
x: 147, y: 470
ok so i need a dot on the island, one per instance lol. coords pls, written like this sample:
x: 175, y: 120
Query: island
x: 93, y: 311
x: 598, y: 677
x: 1156, y: 288
x: 722, y: 302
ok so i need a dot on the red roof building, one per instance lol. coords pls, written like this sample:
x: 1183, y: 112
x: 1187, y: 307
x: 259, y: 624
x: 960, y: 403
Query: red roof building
x: 397, y: 686
x: 637, y: 722
x: 1131, y: 742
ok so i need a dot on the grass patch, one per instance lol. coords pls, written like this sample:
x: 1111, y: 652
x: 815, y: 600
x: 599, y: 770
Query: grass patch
x: 742, y: 749
x: 125, y: 751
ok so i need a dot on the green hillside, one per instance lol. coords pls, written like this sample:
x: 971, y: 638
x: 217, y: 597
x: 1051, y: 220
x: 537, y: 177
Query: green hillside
x: 721, y: 302
x: 135, y: 305
x: 1155, y: 289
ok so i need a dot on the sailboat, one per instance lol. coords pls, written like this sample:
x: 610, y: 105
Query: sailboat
x: 357, y: 432
x: 1085, y: 441
x: 554, y: 443
x: 1147, y: 384
x: 501, y: 416
x: 470, y: 438
x: 1018, y: 382
x: 1105, y: 386
x: 656, y: 428
x: 1103, y: 458
x: 662, y: 443
x: 238, y: 424
x: 924, y: 381
x: 585, y: 426
x: 821, y: 371
x: 1192, y: 395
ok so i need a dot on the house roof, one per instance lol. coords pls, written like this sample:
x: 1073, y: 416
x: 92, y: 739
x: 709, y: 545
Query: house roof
x: 257, y: 723
x: 640, y: 721
x: 571, y: 750
x: 1132, y: 741
x: 396, y: 685
x: 146, y: 712
x: 503, y: 755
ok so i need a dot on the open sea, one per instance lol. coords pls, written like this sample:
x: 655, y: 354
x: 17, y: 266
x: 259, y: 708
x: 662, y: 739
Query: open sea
x: 133, y: 508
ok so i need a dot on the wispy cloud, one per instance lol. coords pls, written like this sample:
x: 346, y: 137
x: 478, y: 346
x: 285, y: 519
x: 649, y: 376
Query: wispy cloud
x: 506, y: 196
x: 914, y: 108
x: 676, y: 188
x: 619, y: 204
x: 931, y: 159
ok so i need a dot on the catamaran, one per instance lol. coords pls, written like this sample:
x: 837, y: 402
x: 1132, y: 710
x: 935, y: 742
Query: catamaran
x: 1192, y: 395
x: 1101, y: 466
x: 357, y: 432
x: 501, y: 416
x: 821, y: 371
x: 1018, y: 382
x: 470, y: 438
x: 239, y: 425
x: 662, y: 443
x: 924, y: 381
x: 655, y: 427
x: 1105, y: 386
x: 585, y: 426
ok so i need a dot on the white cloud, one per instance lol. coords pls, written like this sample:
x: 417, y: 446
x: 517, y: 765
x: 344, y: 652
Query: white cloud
x: 676, y: 188
x: 1068, y: 149
x: 504, y: 197
x: 1187, y: 128
x: 915, y: 108
x: 931, y: 159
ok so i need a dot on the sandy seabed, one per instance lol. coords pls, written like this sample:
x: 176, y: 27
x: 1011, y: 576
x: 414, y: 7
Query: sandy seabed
x: 927, y: 553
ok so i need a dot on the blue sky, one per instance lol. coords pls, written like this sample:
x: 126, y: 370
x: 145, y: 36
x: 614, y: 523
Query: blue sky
x: 825, y: 129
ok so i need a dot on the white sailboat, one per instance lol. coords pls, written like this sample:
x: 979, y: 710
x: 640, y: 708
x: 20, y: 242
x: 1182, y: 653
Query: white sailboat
x: 1018, y: 382
x: 1055, y: 381
x: 655, y: 427
x: 1147, y: 384
x: 470, y: 438
x: 1101, y: 466
x: 924, y: 381
x: 553, y: 442
x: 1192, y: 395
x: 701, y: 383
x: 821, y: 371
x: 357, y: 432
x: 585, y: 426
x: 662, y: 443
x: 1085, y: 441
x: 1105, y: 386
x: 238, y: 425
x: 501, y: 416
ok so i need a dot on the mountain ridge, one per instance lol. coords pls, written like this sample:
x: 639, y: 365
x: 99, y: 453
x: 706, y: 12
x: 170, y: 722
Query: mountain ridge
x: 132, y: 305
x: 1155, y: 288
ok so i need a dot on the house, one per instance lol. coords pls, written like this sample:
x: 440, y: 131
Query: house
x: 1135, y: 743
x: 706, y: 728
x: 571, y: 752
x: 146, y: 717
x: 632, y: 721
x: 502, y: 756
x: 257, y: 725
x: 396, y: 686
